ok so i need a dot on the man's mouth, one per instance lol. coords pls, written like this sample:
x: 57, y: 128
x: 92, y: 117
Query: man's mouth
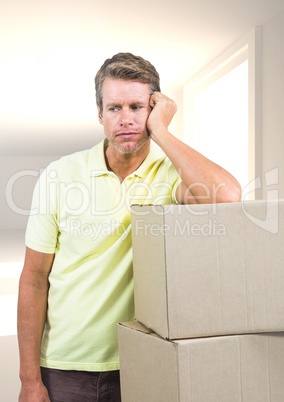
x: 126, y: 134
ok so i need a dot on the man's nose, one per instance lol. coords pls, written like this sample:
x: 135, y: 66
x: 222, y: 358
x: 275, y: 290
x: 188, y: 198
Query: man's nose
x: 125, y: 116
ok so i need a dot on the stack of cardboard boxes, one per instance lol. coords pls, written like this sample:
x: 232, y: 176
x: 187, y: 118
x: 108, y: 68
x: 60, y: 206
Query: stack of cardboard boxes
x: 209, y: 301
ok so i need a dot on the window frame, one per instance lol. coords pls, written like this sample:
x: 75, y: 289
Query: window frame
x: 247, y: 48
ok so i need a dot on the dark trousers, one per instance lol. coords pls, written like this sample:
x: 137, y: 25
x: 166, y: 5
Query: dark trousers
x: 81, y: 386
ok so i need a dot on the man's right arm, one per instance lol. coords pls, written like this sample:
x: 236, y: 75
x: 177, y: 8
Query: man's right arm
x: 32, y: 307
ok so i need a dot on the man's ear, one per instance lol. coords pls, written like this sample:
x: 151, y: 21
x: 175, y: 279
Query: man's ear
x: 100, y: 115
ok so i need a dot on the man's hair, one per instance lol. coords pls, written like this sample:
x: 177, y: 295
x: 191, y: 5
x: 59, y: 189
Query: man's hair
x: 126, y: 66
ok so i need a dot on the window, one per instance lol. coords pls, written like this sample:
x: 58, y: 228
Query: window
x: 222, y: 112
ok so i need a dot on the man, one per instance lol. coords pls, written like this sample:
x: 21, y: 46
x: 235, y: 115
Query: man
x: 76, y: 283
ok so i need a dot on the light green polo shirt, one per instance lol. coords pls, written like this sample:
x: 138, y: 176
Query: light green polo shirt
x: 81, y: 212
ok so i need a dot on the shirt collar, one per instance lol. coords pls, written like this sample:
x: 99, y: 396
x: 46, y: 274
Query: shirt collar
x: 97, y: 164
x: 154, y: 154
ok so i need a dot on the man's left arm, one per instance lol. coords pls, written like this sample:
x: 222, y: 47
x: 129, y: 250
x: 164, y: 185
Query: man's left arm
x: 203, y: 181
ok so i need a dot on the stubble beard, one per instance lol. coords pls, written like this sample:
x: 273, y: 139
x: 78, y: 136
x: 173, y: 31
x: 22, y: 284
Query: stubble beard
x: 129, y: 148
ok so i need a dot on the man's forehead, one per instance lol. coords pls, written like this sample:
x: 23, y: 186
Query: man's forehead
x: 111, y: 85
x: 127, y: 100
x: 124, y: 91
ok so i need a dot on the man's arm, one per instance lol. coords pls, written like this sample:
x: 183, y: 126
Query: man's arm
x: 32, y: 307
x: 203, y: 181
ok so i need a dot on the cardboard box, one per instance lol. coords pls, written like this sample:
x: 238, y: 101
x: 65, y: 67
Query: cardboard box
x: 246, y: 368
x: 208, y: 270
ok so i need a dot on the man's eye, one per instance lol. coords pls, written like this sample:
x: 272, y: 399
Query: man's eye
x: 135, y: 107
x: 113, y: 109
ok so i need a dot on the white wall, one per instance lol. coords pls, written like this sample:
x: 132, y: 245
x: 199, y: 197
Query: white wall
x: 11, y: 257
x: 273, y: 98
x: 21, y: 172
x: 10, y: 384
x: 18, y: 177
x: 12, y: 222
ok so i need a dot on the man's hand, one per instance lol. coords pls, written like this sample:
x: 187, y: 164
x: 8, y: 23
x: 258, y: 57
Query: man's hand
x: 196, y: 171
x: 163, y: 110
x: 33, y: 393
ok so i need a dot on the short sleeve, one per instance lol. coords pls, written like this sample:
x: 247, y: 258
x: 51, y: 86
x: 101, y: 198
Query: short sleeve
x: 42, y: 228
x: 174, y: 179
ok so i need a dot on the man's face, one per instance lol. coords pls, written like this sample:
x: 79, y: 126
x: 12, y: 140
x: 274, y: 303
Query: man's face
x: 125, y: 112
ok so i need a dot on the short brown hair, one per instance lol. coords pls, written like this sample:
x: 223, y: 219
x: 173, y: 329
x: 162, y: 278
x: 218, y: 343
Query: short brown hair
x: 126, y: 66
